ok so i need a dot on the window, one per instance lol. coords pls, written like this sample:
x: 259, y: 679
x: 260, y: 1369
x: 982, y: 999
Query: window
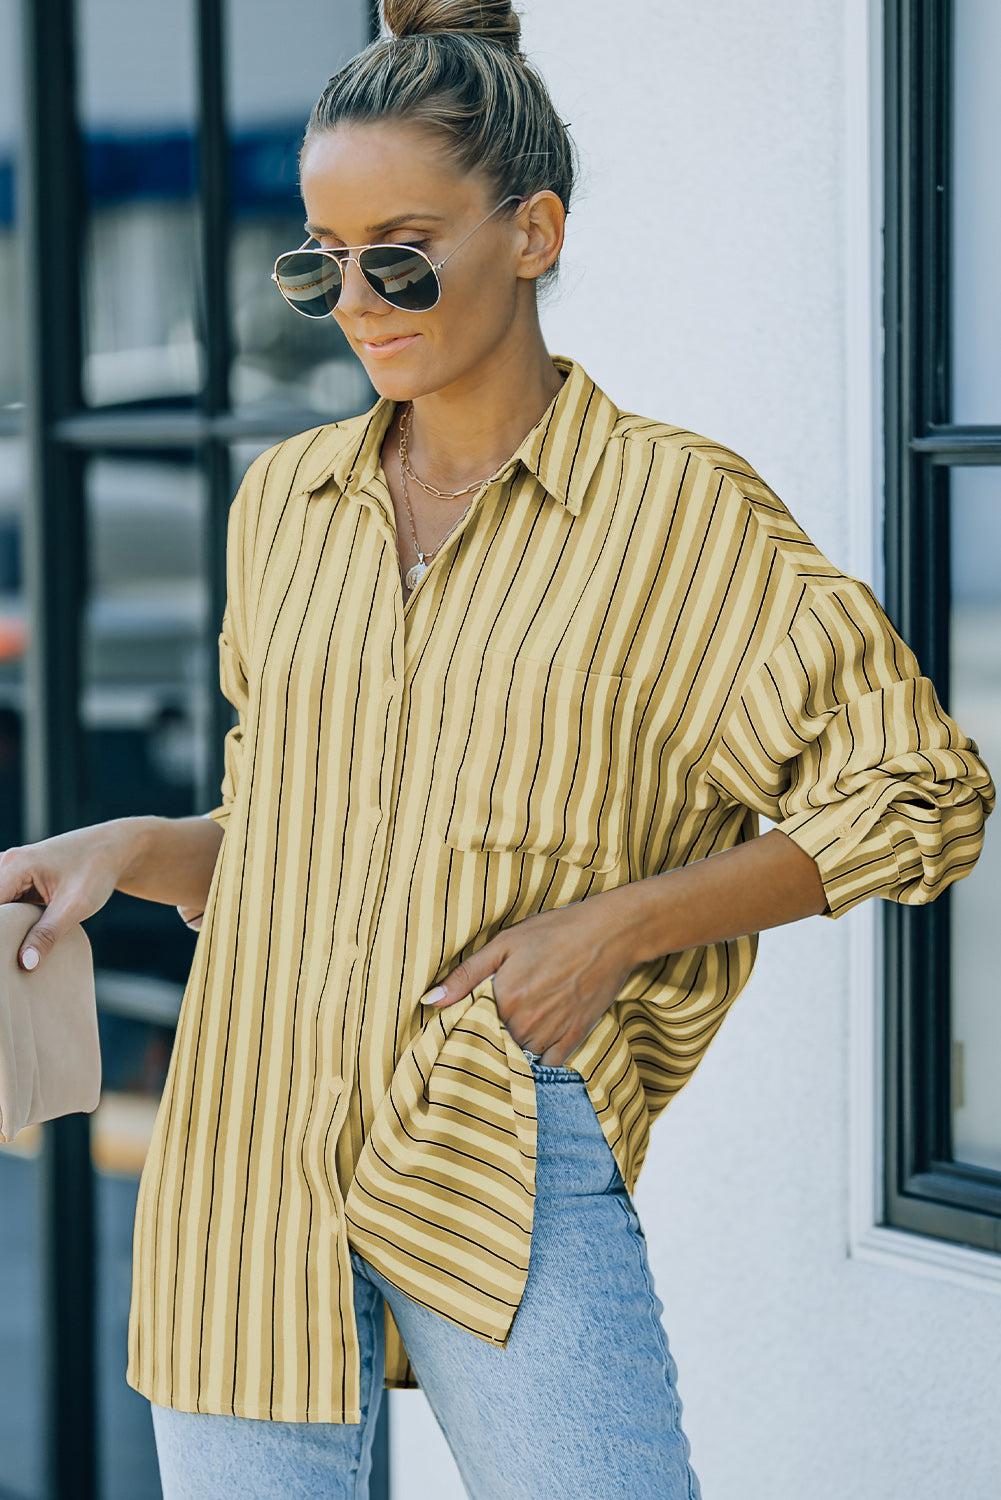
x: 22, y: 1416
x: 942, y: 307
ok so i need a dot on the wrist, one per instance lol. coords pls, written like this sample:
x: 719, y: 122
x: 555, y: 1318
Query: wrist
x: 132, y: 839
x: 638, y: 910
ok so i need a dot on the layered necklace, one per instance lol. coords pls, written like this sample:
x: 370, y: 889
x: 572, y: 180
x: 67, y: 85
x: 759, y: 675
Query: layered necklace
x: 414, y: 574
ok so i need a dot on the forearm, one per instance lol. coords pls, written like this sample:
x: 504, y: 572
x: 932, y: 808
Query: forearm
x: 763, y: 883
x: 168, y: 859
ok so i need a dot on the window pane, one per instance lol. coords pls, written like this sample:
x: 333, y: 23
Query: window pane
x: 976, y: 212
x: 136, y: 61
x: 975, y: 700
x: 22, y: 1447
x: 147, y: 669
x: 135, y: 1054
x: 21, y: 1333
x: 14, y: 641
x: 11, y: 333
x: 280, y: 359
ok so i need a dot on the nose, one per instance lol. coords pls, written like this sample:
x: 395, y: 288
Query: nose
x: 355, y: 294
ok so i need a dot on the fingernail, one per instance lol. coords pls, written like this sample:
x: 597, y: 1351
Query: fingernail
x: 433, y: 996
x: 30, y: 958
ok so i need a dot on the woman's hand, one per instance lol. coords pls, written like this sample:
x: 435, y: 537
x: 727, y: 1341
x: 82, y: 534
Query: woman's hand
x: 71, y: 875
x: 554, y: 975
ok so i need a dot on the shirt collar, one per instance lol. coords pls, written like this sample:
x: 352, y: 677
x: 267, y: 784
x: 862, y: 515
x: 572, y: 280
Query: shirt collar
x: 562, y: 450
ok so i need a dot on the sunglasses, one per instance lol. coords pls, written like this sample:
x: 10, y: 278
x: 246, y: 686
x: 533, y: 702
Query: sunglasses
x: 402, y: 275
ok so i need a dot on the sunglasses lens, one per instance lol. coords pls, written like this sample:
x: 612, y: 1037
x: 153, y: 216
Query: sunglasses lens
x: 309, y: 281
x: 402, y: 275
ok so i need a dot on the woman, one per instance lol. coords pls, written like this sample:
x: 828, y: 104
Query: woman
x: 515, y: 672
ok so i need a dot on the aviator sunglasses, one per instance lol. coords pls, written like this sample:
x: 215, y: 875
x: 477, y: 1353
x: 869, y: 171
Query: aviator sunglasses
x: 402, y: 275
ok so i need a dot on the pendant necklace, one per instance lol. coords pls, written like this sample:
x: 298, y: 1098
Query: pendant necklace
x: 415, y: 573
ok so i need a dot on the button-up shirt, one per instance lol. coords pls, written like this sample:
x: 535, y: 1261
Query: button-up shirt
x: 624, y: 653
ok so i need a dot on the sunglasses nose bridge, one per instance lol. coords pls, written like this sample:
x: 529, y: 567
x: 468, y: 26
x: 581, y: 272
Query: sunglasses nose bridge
x: 344, y: 261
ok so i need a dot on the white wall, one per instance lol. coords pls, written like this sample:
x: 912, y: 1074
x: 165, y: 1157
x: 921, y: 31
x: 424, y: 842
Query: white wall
x: 810, y: 1368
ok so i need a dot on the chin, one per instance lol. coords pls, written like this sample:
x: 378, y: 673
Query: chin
x: 402, y: 388
x: 399, y: 385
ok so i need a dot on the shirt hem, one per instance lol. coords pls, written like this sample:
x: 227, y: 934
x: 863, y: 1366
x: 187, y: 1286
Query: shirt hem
x: 253, y: 1413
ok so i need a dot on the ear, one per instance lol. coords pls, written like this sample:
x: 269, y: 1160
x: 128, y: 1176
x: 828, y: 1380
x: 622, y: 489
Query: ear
x: 543, y: 220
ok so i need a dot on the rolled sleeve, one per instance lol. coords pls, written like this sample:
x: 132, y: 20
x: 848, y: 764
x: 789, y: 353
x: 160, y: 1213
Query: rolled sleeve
x: 189, y: 915
x: 839, y: 738
x: 233, y: 642
x: 234, y: 685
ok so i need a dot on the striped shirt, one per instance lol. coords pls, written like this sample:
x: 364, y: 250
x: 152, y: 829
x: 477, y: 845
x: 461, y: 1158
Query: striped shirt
x: 625, y: 652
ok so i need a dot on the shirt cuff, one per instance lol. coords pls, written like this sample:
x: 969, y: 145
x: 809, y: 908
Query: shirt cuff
x: 219, y: 815
x: 852, y: 848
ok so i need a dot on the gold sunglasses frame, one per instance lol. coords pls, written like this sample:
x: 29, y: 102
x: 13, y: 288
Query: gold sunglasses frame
x: 342, y: 255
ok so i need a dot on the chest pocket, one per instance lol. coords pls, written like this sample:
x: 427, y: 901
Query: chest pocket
x: 540, y: 762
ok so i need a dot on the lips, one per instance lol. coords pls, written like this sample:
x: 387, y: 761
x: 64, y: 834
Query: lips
x: 389, y: 348
x: 388, y: 339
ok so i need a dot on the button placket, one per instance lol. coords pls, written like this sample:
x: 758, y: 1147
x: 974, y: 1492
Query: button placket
x: 374, y: 819
x: 344, y: 956
x: 453, y: 537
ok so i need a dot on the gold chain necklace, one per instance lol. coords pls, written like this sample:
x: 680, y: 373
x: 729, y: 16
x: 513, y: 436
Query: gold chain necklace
x: 415, y: 573
x: 408, y: 417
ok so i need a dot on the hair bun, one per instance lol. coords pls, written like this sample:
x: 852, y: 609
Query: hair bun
x: 494, y: 20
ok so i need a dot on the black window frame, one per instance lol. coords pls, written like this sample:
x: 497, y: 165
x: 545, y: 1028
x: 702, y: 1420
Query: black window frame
x: 60, y: 435
x: 925, y: 1191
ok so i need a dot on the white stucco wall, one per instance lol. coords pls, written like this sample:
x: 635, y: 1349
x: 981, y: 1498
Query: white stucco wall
x: 734, y: 134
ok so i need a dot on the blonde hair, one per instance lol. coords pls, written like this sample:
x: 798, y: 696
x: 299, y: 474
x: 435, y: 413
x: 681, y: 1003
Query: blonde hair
x: 456, y: 67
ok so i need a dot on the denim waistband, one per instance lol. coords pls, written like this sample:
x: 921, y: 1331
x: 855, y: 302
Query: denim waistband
x: 547, y: 1073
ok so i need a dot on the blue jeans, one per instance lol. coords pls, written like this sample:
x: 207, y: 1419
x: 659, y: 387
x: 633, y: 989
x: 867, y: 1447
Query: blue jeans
x: 581, y: 1402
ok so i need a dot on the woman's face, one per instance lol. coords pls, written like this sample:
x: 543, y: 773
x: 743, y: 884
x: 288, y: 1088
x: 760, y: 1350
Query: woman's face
x: 355, y: 179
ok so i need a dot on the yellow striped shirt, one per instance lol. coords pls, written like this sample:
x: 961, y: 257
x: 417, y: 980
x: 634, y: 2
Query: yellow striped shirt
x: 626, y: 651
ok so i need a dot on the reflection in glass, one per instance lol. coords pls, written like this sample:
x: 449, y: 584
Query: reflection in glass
x: 22, y: 1432
x: 11, y: 339
x: 22, y: 1447
x: 149, y: 663
x: 975, y: 701
x: 976, y: 212
x: 13, y: 641
x: 137, y: 76
x: 271, y: 90
x: 146, y: 659
x: 21, y: 1332
x: 135, y: 1055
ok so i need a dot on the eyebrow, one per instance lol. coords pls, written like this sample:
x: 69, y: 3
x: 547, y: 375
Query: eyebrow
x: 376, y: 229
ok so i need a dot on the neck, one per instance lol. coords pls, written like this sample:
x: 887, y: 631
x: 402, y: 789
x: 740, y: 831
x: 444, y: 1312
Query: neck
x: 466, y: 430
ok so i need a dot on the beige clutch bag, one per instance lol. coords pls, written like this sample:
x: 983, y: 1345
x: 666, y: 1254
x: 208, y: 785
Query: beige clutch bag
x: 50, y: 1055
